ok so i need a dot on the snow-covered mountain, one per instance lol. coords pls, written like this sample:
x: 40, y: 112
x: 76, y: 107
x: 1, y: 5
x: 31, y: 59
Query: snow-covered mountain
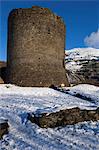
x: 82, y: 65
x: 82, y: 54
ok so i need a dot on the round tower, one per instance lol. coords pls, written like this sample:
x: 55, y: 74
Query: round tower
x: 36, y: 42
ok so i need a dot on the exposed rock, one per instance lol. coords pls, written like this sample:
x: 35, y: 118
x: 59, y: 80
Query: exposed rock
x: 88, y: 73
x: 82, y: 66
x: 64, y: 117
x: 3, y: 127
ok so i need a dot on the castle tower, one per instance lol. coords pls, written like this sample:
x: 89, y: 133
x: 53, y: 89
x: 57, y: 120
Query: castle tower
x: 36, y: 41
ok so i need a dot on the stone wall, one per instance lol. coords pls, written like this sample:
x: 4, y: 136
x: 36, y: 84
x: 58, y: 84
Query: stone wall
x: 64, y: 117
x: 36, y: 42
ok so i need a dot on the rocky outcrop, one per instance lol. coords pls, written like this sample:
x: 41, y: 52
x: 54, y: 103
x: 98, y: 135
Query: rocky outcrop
x: 2, y: 72
x: 88, y: 73
x: 64, y: 117
x: 83, y: 66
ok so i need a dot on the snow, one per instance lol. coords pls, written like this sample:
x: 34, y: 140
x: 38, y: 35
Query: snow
x: 3, y: 120
x: 16, y: 102
x: 82, y: 53
x: 89, y: 91
x: 76, y: 56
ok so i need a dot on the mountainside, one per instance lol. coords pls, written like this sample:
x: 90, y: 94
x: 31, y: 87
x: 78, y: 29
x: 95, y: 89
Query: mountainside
x: 82, y: 65
x: 2, y: 71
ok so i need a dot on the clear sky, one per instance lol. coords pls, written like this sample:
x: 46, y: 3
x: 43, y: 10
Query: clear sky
x: 80, y: 16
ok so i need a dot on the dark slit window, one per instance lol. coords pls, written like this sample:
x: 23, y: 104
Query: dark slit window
x: 48, y: 30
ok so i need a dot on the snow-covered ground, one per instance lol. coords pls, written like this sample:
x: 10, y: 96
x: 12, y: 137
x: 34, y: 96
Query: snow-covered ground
x: 16, y: 102
x: 74, y: 57
x: 90, y: 92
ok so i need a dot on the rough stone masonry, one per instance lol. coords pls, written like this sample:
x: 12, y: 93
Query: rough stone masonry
x: 36, y: 42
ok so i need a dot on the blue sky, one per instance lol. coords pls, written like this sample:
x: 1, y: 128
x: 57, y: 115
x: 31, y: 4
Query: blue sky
x: 81, y: 19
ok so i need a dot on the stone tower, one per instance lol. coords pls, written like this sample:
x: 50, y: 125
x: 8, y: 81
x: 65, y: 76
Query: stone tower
x: 36, y: 41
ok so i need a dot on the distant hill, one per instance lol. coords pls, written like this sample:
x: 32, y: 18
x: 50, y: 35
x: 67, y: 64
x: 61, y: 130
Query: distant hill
x: 2, y: 71
x: 2, y: 64
x: 82, y: 65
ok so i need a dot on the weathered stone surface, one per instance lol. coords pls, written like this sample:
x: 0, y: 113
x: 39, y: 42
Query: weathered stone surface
x: 3, y: 127
x: 64, y: 117
x: 36, y: 42
x: 88, y: 73
x: 2, y: 72
x: 1, y: 81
